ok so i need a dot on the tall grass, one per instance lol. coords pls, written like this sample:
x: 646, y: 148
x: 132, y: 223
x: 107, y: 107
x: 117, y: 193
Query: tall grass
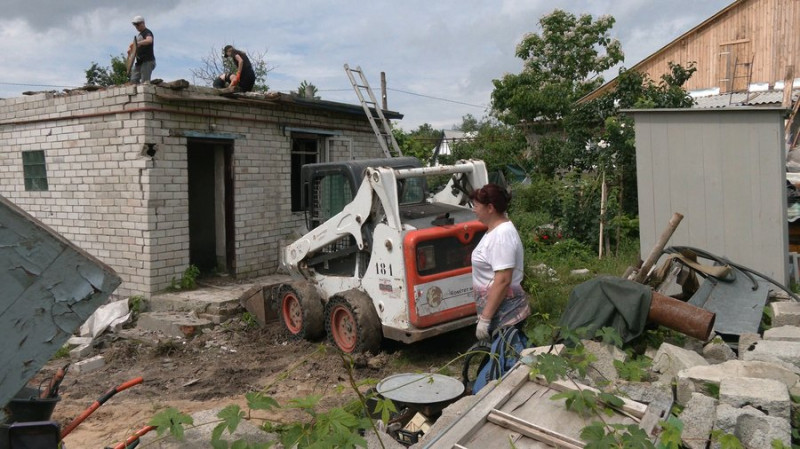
x: 549, y: 280
x: 558, y: 222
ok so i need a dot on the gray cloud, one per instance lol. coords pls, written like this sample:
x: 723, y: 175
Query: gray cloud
x: 447, y: 49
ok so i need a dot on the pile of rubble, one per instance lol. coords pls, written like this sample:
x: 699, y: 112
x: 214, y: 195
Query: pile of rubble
x: 746, y: 393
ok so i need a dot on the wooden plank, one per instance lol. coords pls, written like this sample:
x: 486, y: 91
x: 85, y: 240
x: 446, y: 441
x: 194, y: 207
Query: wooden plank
x: 734, y: 42
x: 131, y: 57
x: 470, y: 422
x: 531, y: 430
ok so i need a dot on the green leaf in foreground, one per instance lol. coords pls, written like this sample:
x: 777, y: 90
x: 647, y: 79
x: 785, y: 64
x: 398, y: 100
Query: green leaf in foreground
x: 171, y: 420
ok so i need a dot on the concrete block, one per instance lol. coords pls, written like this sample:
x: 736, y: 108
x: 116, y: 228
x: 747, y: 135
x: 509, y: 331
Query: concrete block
x: 602, y: 370
x: 717, y: 351
x: 785, y: 313
x: 753, y: 428
x: 80, y: 352
x: 698, y: 419
x: 79, y: 341
x: 746, y: 341
x: 739, y: 368
x: 783, y: 333
x: 89, y: 365
x: 659, y: 394
x: 671, y: 359
x: 774, y: 351
x: 767, y: 395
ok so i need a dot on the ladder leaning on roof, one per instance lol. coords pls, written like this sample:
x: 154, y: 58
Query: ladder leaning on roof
x: 384, y: 131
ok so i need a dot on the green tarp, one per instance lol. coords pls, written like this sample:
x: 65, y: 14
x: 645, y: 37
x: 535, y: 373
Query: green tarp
x: 608, y: 302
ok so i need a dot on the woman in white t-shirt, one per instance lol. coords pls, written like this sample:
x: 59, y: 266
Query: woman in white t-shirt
x: 497, y: 264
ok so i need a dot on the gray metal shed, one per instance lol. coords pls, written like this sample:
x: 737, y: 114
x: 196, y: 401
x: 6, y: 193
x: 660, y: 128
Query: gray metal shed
x: 724, y: 170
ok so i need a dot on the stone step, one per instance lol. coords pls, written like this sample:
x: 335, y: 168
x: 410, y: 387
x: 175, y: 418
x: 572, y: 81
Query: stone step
x: 173, y: 324
x: 213, y: 302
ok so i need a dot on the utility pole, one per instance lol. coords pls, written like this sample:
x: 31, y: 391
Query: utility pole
x: 385, y: 102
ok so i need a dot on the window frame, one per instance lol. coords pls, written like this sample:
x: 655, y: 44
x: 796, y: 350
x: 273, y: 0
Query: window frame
x: 34, y: 172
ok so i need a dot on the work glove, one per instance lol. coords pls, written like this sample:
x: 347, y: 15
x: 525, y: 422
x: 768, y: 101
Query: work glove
x: 482, y: 331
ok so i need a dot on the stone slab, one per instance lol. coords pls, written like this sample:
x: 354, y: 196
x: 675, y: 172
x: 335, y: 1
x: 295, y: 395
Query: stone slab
x: 173, y: 324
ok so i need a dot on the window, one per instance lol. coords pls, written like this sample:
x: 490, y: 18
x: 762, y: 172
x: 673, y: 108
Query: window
x: 329, y: 196
x: 304, y: 151
x: 34, y: 170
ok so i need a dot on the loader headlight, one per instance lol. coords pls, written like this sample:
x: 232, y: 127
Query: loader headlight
x: 426, y: 258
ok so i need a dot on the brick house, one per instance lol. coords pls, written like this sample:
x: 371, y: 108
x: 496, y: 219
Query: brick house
x: 150, y: 179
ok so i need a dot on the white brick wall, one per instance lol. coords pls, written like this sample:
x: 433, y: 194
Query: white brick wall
x: 131, y: 211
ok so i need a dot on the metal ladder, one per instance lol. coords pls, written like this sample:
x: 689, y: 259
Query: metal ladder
x: 384, y: 131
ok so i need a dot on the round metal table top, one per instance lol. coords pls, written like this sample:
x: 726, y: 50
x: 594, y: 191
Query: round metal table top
x: 420, y: 388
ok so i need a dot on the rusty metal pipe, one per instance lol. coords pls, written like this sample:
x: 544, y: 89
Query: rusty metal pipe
x: 681, y: 316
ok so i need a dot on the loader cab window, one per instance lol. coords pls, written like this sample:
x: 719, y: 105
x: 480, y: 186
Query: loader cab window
x: 411, y: 190
x: 330, y: 195
x: 305, y: 150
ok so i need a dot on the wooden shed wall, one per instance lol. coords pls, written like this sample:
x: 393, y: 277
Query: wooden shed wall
x: 764, y: 31
x: 723, y: 169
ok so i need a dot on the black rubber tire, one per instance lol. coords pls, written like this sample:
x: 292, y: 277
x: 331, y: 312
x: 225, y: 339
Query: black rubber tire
x: 352, y: 323
x: 300, y: 311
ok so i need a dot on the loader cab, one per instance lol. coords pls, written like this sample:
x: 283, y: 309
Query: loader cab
x: 328, y: 187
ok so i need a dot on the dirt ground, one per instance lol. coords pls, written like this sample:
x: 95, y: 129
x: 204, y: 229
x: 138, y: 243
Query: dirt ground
x: 217, y: 368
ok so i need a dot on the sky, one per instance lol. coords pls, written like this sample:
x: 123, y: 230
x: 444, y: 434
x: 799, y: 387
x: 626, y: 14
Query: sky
x: 439, y: 57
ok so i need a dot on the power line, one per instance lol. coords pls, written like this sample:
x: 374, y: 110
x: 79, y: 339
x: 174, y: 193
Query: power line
x: 437, y: 98
x: 35, y: 85
x: 415, y: 94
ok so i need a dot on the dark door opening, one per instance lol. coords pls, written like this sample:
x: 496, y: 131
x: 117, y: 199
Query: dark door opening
x: 211, y: 233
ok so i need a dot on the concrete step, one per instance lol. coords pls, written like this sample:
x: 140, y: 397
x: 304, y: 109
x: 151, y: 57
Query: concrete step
x: 173, y: 324
x: 213, y: 301
x: 186, y: 313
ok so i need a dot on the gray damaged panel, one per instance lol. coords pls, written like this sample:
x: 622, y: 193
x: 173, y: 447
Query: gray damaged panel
x: 49, y: 288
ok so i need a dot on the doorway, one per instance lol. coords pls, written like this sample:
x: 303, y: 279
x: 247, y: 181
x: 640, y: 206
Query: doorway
x: 211, y: 218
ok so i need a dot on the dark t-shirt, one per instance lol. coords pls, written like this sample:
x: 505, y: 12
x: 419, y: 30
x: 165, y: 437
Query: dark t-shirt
x: 248, y: 74
x: 145, y: 52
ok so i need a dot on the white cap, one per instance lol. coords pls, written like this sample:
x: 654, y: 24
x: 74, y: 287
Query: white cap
x: 137, y: 19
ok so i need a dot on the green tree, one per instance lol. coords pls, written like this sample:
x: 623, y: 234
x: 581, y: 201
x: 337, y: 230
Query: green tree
x: 304, y: 86
x: 561, y: 65
x: 214, y: 65
x: 114, y: 75
x: 497, y: 144
x: 606, y: 137
x: 419, y: 143
x: 582, y: 143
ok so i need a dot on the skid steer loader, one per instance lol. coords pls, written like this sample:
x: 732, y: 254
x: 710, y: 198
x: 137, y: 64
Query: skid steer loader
x: 383, y: 257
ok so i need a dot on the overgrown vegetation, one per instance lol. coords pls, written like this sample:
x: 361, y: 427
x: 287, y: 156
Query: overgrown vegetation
x: 115, y: 74
x: 188, y: 280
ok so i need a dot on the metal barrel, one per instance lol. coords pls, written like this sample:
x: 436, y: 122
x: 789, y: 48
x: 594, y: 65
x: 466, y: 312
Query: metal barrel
x: 681, y: 316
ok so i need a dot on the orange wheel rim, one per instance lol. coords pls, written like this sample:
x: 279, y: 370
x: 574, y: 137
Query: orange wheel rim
x: 344, y: 329
x: 292, y: 313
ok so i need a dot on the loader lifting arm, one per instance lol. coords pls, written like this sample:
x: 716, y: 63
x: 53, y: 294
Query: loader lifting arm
x: 347, y: 222
x: 379, y: 184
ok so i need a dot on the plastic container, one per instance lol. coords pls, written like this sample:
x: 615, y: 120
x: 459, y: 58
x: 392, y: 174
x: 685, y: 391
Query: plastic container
x: 27, y: 406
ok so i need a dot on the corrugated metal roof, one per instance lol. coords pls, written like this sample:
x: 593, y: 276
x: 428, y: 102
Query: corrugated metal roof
x: 739, y: 99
